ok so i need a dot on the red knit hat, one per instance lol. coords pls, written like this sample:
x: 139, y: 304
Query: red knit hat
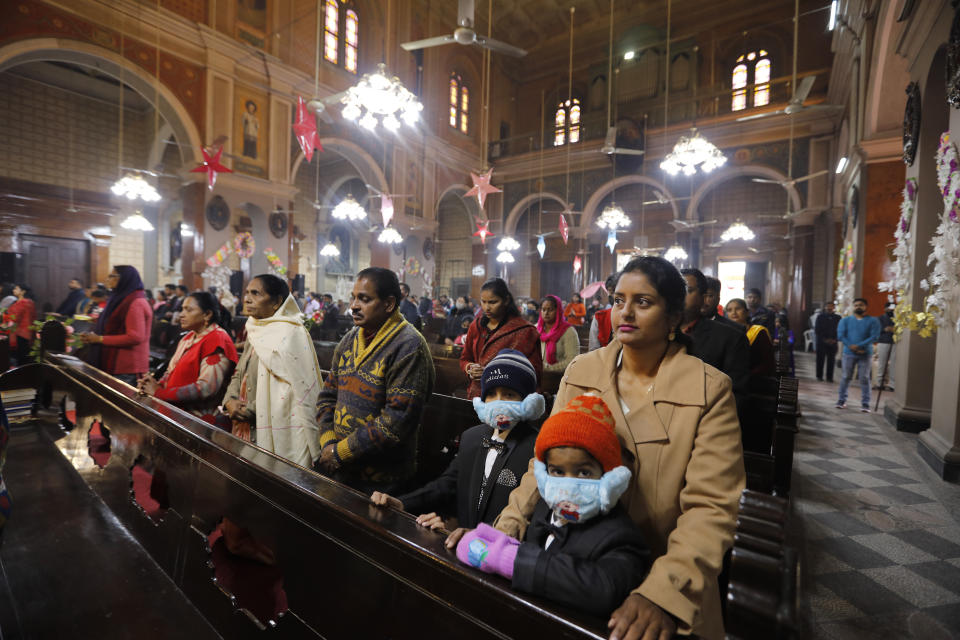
x: 585, y: 423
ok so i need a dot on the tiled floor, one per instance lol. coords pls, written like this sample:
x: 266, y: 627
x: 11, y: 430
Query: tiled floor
x: 879, y: 530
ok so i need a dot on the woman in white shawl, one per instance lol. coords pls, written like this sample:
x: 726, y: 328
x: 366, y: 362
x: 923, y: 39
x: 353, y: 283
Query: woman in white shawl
x: 272, y: 397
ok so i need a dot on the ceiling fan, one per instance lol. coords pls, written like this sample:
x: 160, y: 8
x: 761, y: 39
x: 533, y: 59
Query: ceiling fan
x: 796, y: 103
x: 685, y: 225
x: 464, y: 34
x: 610, y: 145
x: 793, y: 181
x: 788, y: 215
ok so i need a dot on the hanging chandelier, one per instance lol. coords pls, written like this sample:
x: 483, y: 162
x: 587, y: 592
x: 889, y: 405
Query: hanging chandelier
x: 612, y: 217
x: 136, y: 222
x: 675, y: 253
x: 349, y: 209
x: 330, y: 250
x: 692, y: 153
x: 380, y: 99
x: 505, y: 257
x: 390, y: 236
x: 737, y: 231
x: 508, y: 244
x: 134, y: 187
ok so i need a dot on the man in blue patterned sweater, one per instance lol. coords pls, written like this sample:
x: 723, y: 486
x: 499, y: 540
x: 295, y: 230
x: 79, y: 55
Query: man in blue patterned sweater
x: 381, y: 377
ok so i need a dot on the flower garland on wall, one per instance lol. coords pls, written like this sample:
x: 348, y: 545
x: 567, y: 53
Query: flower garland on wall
x: 244, y: 245
x: 943, y: 303
x: 845, y: 280
x: 899, y: 286
x: 276, y: 265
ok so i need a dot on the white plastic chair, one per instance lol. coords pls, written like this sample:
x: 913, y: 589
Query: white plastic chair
x: 808, y: 340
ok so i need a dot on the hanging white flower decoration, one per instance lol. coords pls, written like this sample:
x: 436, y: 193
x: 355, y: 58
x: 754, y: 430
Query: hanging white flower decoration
x: 900, y: 285
x: 943, y: 303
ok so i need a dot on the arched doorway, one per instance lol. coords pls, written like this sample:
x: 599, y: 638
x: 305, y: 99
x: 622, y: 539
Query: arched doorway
x: 454, y: 253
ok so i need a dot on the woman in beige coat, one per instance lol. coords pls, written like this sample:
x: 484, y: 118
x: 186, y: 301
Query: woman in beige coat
x: 677, y: 419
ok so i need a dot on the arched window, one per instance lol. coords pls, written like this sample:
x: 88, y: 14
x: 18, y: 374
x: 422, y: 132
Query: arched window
x: 341, y: 34
x: 459, y: 103
x: 566, y: 122
x: 751, y: 68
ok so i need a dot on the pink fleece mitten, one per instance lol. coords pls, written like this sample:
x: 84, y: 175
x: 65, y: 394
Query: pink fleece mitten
x: 489, y: 550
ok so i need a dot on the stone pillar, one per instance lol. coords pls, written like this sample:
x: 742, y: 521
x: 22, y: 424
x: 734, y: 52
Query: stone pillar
x: 193, y: 196
x: 939, y: 446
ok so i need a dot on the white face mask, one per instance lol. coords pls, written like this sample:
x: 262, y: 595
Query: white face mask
x: 576, y: 500
x: 505, y: 414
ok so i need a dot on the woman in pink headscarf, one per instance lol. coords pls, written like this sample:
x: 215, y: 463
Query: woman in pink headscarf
x: 559, y: 342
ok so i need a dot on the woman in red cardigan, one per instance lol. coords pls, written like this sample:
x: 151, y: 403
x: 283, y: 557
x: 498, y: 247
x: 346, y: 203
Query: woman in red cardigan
x: 24, y: 313
x: 499, y: 327
x: 123, y: 329
x: 204, y: 359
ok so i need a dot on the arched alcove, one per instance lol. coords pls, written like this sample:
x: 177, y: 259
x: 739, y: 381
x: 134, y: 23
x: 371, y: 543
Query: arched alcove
x: 259, y: 229
x: 454, y: 253
x: 751, y: 171
x: 593, y: 204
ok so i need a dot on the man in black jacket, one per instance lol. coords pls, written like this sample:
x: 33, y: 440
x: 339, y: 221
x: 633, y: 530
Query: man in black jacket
x: 825, y: 330
x: 69, y: 306
x: 720, y: 346
x: 711, y: 298
x: 759, y: 314
x: 409, y: 310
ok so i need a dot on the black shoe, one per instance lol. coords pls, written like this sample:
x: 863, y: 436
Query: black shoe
x: 819, y: 379
x: 829, y: 379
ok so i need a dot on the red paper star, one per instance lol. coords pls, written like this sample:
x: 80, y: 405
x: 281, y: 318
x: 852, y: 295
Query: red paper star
x: 305, y: 128
x: 483, y: 230
x: 564, y: 228
x: 482, y: 186
x: 211, y: 166
x: 576, y: 264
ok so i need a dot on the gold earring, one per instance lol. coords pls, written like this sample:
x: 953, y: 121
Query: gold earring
x: 672, y: 336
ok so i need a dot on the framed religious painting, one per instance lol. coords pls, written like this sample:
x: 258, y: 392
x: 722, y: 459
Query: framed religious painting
x: 251, y: 23
x: 250, y: 126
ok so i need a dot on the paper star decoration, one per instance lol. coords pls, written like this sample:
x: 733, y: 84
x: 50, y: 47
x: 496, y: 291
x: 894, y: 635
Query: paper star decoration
x: 482, y: 186
x: 612, y: 239
x: 564, y: 228
x: 305, y: 128
x: 211, y: 166
x: 541, y: 245
x: 483, y: 230
x: 386, y: 209
x: 576, y: 264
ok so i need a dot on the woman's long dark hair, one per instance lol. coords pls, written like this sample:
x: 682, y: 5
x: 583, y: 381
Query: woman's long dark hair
x: 668, y: 282
x: 499, y: 288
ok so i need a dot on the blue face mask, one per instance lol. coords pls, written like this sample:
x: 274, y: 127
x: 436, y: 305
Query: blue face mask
x: 579, y: 499
x: 505, y: 414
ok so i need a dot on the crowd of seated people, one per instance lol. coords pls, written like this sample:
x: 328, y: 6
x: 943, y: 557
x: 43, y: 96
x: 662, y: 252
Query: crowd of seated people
x: 631, y: 483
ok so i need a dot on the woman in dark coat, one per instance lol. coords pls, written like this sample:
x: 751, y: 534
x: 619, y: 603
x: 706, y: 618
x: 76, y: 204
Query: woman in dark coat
x: 500, y: 327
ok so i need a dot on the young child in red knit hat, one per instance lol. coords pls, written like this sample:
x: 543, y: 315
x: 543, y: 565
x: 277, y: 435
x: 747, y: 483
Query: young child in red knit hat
x: 581, y: 548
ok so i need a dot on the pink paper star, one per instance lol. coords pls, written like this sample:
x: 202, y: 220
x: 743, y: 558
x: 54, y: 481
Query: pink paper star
x: 482, y: 186
x: 211, y: 166
x: 305, y: 128
x: 386, y: 209
x: 564, y: 228
x: 483, y: 230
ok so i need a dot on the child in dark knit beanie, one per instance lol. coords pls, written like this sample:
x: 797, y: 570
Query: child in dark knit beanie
x: 581, y: 548
x: 493, y: 456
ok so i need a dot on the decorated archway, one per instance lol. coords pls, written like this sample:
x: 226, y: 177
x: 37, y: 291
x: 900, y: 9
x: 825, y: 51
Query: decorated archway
x: 590, y: 208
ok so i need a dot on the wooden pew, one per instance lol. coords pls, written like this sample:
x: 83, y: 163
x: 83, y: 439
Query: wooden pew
x: 333, y: 557
x: 762, y: 593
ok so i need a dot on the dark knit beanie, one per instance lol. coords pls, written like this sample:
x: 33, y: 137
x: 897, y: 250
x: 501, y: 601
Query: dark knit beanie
x: 585, y: 423
x: 510, y: 369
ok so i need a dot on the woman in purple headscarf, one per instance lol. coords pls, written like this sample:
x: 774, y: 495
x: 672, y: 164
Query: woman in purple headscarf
x: 123, y: 329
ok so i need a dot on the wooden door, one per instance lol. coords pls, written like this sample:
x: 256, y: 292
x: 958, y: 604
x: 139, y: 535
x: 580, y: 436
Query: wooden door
x: 50, y: 264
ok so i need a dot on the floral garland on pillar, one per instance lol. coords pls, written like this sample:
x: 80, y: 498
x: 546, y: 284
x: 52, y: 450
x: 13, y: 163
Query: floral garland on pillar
x: 276, y: 265
x: 900, y: 285
x: 845, y: 280
x: 943, y: 303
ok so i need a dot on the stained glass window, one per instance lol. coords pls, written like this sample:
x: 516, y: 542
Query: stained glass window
x: 351, y: 42
x: 566, y: 122
x: 459, y: 103
x: 331, y: 28
x: 754, y: 69
x: 761, y: 78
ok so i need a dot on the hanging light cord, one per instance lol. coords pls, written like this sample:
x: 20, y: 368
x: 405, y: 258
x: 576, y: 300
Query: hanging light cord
x: 566, y: 199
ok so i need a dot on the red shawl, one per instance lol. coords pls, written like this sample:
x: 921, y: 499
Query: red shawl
x: 549, y: 337
x: 115, y: 324
x: 187, y: 369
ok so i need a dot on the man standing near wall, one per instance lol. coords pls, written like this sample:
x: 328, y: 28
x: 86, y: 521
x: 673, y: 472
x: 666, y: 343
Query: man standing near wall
x: 825, y: 330
x: 857, y: 333
x: 886, y: 349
